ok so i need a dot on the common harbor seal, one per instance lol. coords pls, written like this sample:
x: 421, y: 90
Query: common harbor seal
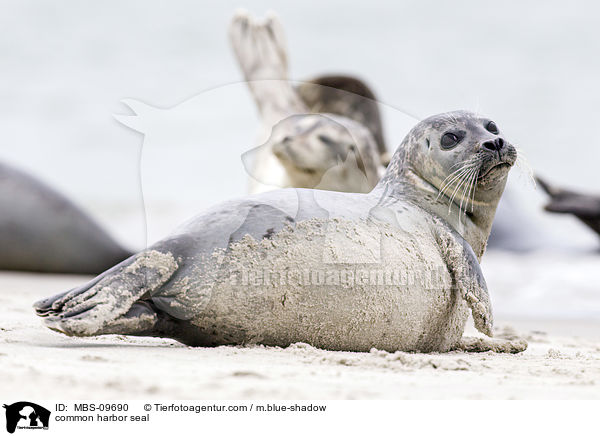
x: 396, y: 269
x: 347, y: 96
x: 309, y: 130
x: 42, y: 231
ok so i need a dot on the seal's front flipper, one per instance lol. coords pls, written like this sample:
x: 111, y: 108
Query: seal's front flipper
x: 480, y: 345
x: 468, y: 278
x: 474, y: 290
x: 111, y: 303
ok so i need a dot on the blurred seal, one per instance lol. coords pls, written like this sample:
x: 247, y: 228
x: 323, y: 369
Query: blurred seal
x: 586, y: 207
x: 330, y: 125
x: 396, y: 269
x: 42, y: 231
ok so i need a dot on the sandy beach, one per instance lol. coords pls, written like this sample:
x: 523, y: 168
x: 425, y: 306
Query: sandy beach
x: 68, y: 72
x: 562, y: 362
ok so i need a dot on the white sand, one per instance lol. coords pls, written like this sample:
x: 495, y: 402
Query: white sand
x: 38, y: 363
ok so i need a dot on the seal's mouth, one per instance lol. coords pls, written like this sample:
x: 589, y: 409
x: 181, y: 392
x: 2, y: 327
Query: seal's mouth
x: 496, y: 165
x: 495, y: 168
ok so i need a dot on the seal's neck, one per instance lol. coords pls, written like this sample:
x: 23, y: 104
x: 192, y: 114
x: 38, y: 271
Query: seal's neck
x: 473, y: 223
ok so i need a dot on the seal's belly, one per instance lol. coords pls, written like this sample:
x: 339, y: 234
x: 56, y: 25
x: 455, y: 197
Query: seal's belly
x: 338, y: 285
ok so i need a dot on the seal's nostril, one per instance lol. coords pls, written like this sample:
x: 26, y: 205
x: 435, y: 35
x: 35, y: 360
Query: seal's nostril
x: 495, y: 145
x: 489, y: 145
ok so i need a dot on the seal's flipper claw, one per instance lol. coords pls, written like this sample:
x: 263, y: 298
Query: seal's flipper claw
x: 481, y: 345
x: 55, y: 304
x: 105, y: 305
x: 43, y: 307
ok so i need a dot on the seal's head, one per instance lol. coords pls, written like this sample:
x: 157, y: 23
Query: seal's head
x: 457, y: 147
x: 459, y: 160
x: 326, y: 152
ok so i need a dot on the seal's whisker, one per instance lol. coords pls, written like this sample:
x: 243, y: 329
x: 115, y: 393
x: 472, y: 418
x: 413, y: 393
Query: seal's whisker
x: 446, y: 186
x: 460, y: 163
x: 472, y: 186
x: 453, y: 194
x: 462, y: 196
x: 466, y: 192
x: 454, y: 175
x: 456, y: 190
x: 525, y: 168
x: 473, y: 159
x: 458, y: 179
x: 451, y: 118
x: 471, y: 193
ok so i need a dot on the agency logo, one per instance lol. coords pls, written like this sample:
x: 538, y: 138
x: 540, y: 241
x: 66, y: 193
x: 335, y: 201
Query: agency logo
x: 26, y: 415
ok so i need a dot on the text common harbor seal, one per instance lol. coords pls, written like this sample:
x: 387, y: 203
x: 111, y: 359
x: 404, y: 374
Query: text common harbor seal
x: 247, y: 272
x: 42, y: 231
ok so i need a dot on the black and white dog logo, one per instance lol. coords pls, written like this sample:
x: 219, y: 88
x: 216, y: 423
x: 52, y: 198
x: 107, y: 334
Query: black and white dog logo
x: 26, y: 415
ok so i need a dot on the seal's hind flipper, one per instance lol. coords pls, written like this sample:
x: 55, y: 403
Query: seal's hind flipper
x: 49, y: 305
x: 565, y: 201
x: 584, y: 206
x: 111, y: 302
x: 259, y: 46
x: 260, y: 49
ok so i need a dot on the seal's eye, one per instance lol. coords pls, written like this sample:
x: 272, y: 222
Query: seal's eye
x: 326, y: 140
x: 449, y: 140
x: 492, y: 127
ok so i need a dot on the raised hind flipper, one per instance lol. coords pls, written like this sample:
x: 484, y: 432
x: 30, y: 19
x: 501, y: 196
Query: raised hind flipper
x: 111, y: 303
x: 259, y: 47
